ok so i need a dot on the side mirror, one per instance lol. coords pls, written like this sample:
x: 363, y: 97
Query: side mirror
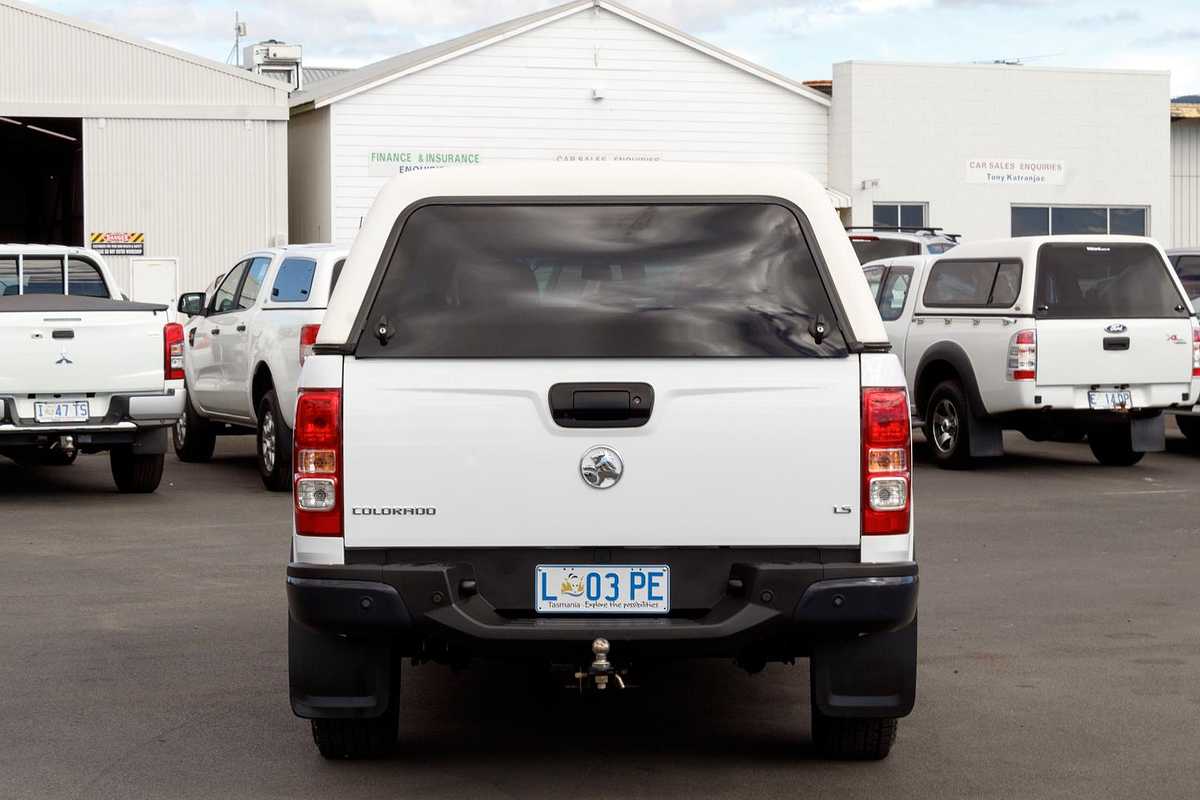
x: 191, y: 304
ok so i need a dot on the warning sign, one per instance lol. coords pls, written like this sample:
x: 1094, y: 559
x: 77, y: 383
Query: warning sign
x: 119, y: 244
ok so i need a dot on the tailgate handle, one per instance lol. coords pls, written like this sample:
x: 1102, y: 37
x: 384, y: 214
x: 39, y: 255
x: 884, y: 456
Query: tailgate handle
x: 1116, y: 342
x: 63, y: 335
x: 601, y: 405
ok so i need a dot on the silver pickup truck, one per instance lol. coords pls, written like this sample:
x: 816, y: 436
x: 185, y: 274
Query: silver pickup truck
x: 83, y: 368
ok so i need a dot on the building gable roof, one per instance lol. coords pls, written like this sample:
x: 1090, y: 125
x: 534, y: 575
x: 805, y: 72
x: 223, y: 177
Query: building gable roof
x: 365, y: 78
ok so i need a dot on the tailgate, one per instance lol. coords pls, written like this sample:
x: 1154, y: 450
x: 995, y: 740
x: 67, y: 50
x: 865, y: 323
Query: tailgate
x: 1088, y: 352
x: 734, y: 453
x: 79, y: 352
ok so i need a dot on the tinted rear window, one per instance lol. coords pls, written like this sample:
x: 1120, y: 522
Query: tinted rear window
x: 84, y: 279
x: 601, y: 281
x: 1111, y: 280
x: 294, y: 281
x: 973, y: 284
x: 876, y: 249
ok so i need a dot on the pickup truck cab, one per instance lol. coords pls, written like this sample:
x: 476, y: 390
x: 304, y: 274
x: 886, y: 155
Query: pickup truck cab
x: 1057, y: 337
x: 84, y: 369
x: 245, y: 343
x: 598, y: 416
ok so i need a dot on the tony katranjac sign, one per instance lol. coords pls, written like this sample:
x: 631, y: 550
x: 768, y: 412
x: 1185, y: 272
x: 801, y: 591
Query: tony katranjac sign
x: 385, y: 163
x: 112, y: 243
x: 1016, y: 171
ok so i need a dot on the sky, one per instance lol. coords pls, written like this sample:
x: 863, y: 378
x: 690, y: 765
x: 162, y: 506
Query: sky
x: 799, y: 38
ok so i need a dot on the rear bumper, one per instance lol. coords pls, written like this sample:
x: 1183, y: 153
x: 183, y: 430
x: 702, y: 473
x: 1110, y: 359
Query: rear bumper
x: 130, y: 419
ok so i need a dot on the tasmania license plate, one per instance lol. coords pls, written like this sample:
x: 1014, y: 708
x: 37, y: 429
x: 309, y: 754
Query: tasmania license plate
x: 602, y: 589
x: 1110, y: 401
x: 62, y: 411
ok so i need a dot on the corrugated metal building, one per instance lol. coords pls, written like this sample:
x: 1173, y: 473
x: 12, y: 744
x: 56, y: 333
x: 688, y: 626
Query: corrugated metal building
x: 101, y: 133
x: 587, y: 80
x: 1185, y: 174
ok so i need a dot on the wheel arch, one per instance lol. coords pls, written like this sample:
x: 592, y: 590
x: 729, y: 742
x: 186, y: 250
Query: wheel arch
x: 946, y: 361
x: 262, y: 383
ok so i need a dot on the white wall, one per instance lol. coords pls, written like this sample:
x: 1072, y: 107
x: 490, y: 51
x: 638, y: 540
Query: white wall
x: 1185, y: 182
x: 309, y: 186
x: 530, y: 97
x: 203, y: 191
x: 914, y: 127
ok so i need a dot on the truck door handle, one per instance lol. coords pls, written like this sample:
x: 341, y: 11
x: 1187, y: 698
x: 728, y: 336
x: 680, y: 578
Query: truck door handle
x: 1116, y: 342
x: 601, y: 405
x: 241, y: 328
x: 215, y: 331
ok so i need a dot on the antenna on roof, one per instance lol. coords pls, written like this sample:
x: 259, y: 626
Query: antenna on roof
x: 239, y: 30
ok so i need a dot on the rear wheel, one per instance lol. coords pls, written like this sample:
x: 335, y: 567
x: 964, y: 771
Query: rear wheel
x: 947, y: 427
x: 1189, y: 427
x: 136, y: 473
x: 853, y: 739
x: 1112, y: 447
x: 274, y: 445
x: 194, y: 436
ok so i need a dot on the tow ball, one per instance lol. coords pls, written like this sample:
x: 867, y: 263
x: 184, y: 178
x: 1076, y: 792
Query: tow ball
x: 601, y: 669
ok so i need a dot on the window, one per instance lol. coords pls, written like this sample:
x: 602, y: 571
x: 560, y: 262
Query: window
x: 42, y: 275
x: 1082, y: 220
x: 294, y: 281
x: 636, y: 280
x: 937, y: 248
x: 9, y: 277
x: 1094, y: 281
x: 979, y: 284
x: 84, y: 279
x: 900, y: 215
x: 337, y: 273
x: 255, y: 274
x: 223, y: 298
x: 895, y: 293
x: 874, y: 248
x: 874, y: 278
x: 1188, y: 268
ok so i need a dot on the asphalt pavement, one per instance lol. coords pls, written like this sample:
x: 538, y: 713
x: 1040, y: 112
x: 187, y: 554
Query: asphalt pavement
x: 143, y: 655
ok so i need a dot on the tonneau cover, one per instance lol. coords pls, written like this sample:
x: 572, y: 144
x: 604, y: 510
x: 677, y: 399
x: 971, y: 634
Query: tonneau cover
x: 54, y: 303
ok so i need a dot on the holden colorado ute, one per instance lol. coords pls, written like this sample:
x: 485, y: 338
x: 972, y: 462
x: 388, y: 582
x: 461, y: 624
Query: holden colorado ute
x: 597, y: 417
x: 83, y: 369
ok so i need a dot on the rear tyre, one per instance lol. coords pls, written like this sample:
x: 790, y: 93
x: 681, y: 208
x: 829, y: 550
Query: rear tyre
x: 136, y: 473
x: 947, y: 426
x: 274, y: 445
x: 853, y: 739
x: 338, y: 739
x: 194, y: 436
x: 1189, y: 427
x: 1112, y: 448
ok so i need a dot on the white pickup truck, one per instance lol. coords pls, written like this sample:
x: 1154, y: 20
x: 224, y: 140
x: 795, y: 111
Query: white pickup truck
x: 598, y: 416
x: 1057, y: 337
x: 83, y: 369
x: 246, y: 342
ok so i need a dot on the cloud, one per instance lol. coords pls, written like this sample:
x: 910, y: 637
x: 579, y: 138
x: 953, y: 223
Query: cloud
x: 1093, y: 22
x: 1185, y: 36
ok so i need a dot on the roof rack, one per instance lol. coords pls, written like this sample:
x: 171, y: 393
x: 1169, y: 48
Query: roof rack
x: 906, y: 229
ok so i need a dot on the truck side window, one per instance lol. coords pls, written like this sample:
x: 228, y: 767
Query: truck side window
x: 223, y: 298
x: 43, y: 275
x: 1188, y: 268
x: 293, y: 284
x: 84, y: 279
x: 973, y: 284
x: 895, y: 293
x: 253, y: 283
x: 874, y: 276
x: 8, y: 276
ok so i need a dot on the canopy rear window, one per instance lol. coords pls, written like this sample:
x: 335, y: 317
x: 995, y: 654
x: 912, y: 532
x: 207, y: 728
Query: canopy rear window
x: 871, y: 248
x: 1105, y: 280
x: 601, y: 281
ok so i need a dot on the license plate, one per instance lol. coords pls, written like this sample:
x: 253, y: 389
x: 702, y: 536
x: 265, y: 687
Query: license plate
x: 602, y: 589
x: 62, y: 411
x: 1110, y: 401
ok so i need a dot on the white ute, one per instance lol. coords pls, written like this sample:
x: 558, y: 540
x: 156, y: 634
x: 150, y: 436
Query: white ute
x: 83, y: 369
x: 597, y: 417
x: 246, y: 342
x: 1057, y: 337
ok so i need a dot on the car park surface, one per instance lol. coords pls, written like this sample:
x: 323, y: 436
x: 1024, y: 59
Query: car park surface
x: 145, y: 656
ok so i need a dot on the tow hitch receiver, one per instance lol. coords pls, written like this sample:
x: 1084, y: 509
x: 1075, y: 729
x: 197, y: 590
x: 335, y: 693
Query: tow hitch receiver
x: 601, y: 669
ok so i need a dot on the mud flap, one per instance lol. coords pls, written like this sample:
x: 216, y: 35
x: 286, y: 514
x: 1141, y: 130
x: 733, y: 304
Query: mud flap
x: 338, y: 677
x: 986, y: 437
x: 1148, y: 434
x: 867, y: 676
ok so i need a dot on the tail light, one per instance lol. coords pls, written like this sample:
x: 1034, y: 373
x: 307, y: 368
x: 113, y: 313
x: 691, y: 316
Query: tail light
x: 1022, y: 356
x: 173, y: 351
x: 886, y: 461
x: 1195, y: 349
x: 317, y: 484
x: 308, y: 338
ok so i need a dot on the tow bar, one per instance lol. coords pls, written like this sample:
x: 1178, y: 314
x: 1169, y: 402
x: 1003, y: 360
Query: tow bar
x: 601, y: 669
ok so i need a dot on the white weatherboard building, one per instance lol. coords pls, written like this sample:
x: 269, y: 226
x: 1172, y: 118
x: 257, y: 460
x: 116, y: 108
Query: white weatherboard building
x: 589, y: 80
x: 137, y: 147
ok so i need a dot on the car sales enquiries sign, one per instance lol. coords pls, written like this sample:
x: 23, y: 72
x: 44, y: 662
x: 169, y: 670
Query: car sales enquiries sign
x: 1016, y: 171
x: 385, y: 163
